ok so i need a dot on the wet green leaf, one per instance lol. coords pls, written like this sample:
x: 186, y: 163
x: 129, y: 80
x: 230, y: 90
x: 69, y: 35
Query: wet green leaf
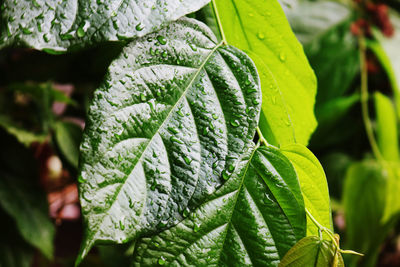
x: 56, y: 26
x: 287, y: 80
x: 165, y: 129
x: 252, y: 220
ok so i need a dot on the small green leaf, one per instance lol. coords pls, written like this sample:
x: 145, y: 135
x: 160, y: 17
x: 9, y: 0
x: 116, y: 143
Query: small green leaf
x: 55, y: 26
x: 287, y: 80
x: 386, y: 130
x: 68, y: 137
x: 23, y: 136
x: 165, y: 129
x: 252, y: 220
x: 313, y: 185
x: 312, y: 251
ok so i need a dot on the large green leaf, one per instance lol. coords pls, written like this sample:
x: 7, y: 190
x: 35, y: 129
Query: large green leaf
x: 252, y: 220
x: 364, y: 196
x: 387, y: 134
x: 386, y: 50
x: 288, y: 82
x: 313, y: 185
x: 58, y: 26
x: 21, y: 198
x: 323, y: 27
x: 313, y: 251
x: 165, y: 129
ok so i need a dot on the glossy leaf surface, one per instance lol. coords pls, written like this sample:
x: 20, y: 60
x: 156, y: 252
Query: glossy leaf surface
x: 165, y: 129
x: 288, y: 82
x: 59, y: 26
x: 312, y: 251
x: 313, y: 185
x: 252, y: 220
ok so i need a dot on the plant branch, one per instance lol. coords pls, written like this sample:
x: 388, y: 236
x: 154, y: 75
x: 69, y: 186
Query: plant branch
x: 322, y: 228
x: 364, y: 100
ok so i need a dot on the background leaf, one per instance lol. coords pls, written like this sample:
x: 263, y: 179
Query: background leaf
x: 288, y: 83
x: 385, y: 49
x: 259, y: 207
x: 364, y: 203
x: 68, y: 136
x: 386, y: 130
x: 313, y: 185
x: 14, y: 251
x: 60, y: 26
x: 21, y: 198
x: 165, y: 129
x: 323, y: 27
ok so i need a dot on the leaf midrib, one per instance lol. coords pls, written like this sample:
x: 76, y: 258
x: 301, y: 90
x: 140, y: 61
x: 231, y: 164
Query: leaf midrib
x: 201, y: 67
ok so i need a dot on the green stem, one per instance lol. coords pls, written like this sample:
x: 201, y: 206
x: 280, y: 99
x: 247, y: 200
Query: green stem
x: 261, y: 137
x: 221, y: 30
x: 330, y: 234
x: 364, y: 101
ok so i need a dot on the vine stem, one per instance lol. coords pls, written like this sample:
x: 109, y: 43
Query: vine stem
x: 331, y: 235
x: 221, y: 30
x: 364, y: 101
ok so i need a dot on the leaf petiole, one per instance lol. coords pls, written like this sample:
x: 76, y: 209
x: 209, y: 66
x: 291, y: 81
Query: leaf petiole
x: 335, y: 240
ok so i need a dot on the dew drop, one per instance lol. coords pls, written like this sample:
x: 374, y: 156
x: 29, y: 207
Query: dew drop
x: 234, y: 123
x: 139, y: 27
x: 187, y: 160
x: 225, y: 175
x: 142, y: 97
x: 46, y: 38
x: 196, y: 227
x: 282, y: 56
x: 231, y: 168
x: 161, y: 39
x: 161, y: 260
x: 260, y: 35
x: 215, y: 116
x: 80, y: 32
x: 121, y: 225
x: 172, y: 130
x: 193, y: 46
x: 176, y: 140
